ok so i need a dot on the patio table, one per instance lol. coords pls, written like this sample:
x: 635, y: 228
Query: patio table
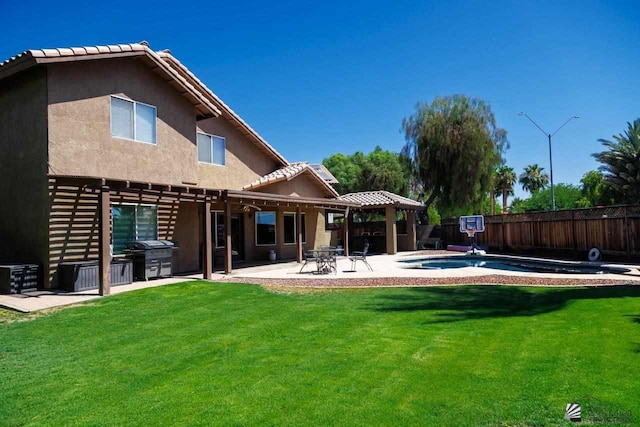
x: 326, y: 259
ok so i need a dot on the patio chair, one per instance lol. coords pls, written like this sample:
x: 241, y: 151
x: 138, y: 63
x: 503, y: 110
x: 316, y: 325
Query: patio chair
x: 360, y: 256
x: 308, y: 256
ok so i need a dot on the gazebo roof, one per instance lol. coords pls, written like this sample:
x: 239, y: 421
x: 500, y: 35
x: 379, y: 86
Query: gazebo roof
x: 378, y: 199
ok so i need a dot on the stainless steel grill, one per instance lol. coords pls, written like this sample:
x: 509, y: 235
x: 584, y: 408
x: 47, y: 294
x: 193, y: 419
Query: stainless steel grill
x: 151, y: 258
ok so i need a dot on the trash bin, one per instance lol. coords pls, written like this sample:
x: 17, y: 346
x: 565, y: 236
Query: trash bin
x: 18, y: 278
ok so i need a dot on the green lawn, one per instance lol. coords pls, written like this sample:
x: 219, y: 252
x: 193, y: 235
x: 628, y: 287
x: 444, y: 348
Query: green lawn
x: 206, y: 353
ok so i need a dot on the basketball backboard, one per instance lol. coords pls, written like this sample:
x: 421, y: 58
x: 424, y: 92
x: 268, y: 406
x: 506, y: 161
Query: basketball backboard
x: 473, y: 223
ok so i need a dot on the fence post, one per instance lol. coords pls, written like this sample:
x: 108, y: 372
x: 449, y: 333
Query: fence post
x: 626, y: 231
x: 503, y: 239
x: 573, y: 229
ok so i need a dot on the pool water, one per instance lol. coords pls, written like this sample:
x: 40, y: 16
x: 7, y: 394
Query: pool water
x: 512, y: 264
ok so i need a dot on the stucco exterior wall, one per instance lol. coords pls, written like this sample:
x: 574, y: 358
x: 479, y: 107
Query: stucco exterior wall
x: 80, y: 141
x: 315, y: 235
x: 302, y: 185
x: 322, y: 237
x: 187, y: 235
x: 23, y: 168
x: 80, y: 130
x: 245, y: 162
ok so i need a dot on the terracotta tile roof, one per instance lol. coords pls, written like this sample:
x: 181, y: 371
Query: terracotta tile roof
x: 381, y: 198
x: 248, y: 130
x: 33, y: 57
x: 77, y: 51
x: 287, y: 173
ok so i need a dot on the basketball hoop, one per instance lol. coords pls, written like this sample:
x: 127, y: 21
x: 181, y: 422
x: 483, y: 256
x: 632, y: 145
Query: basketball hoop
x: 470, y: 225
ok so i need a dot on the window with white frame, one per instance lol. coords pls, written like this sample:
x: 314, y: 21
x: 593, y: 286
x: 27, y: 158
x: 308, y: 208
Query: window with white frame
x: 218, y: 225
x: 265, y: 228
x: 133, y: 222
x: 290, y: 228
x: 211, y: 149
x: 133, y: 120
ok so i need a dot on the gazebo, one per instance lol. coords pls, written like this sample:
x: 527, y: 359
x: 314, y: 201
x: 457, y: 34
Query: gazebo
x: 385, y: 220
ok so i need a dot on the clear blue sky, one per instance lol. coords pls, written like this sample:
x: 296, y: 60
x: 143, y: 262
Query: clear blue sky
x: 316, y: 79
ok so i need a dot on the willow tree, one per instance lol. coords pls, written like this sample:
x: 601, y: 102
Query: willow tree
x: 621, y: 163
x: 454, y: 146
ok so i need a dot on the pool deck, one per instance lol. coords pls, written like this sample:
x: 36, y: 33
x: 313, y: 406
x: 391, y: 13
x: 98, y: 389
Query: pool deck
x: 393, y: 266
x: 387, y: 270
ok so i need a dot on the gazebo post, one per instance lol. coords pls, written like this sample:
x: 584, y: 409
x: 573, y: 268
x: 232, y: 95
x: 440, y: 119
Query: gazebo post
x: 347, y: 222
x: 391, y: 230
x: 411, y: 229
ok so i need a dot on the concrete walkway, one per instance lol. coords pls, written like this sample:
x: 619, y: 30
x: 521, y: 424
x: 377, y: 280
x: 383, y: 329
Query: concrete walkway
x: 41, y: 300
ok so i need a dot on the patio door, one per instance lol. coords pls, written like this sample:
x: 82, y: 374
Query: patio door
x: 237, y: 237
x: 218, y: 237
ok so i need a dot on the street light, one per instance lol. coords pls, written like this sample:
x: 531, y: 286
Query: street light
x: 549, y: 135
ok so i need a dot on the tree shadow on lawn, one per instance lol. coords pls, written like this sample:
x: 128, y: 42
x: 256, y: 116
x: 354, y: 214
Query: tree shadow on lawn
x: 483, y: 301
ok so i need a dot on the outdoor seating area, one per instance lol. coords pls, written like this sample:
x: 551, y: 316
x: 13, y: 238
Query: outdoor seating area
x: 360, y: 256
x: 324, y: 259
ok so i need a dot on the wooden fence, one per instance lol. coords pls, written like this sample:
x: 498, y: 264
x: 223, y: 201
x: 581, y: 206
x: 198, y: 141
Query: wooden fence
x: 615, y: 230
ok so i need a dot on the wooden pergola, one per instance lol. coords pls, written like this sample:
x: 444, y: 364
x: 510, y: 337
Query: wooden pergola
x: 105, y: 187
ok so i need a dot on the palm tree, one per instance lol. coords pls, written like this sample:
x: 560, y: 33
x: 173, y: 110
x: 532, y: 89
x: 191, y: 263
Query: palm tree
x: 533, y: 179
x: 505, y: 178
x: 621, y: 164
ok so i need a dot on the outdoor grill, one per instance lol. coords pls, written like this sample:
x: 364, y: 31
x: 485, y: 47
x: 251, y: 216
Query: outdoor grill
x: 151, y: 258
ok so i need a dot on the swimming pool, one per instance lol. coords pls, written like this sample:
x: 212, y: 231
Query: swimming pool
x: 512, y: 264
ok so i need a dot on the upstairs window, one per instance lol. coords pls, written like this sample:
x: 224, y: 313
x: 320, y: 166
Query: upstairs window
x: 133, y: 120
x: 211, y: 149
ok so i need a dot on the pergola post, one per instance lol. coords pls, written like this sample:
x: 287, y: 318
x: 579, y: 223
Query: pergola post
x: 104, y: 241
x: 391, y: 230
x: 410, y: 217
x: 207, y: 249
x: 228, y: 254
x: 347, y: 223
x: 299, y: 237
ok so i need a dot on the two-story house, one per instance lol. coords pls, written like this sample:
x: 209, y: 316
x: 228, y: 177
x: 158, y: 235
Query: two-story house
x: 103, y: 145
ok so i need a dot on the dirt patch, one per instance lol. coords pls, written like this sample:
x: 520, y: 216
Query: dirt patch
x: 12, y: 316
